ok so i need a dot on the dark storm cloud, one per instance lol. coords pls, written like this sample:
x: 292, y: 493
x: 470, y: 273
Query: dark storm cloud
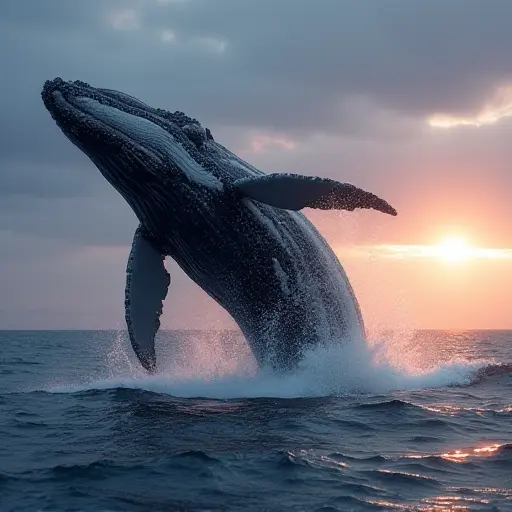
x: 287, y: 64
x: 296, y: 66
x: 27, y: 178
x: 417, y: 56
x: 104, y: 219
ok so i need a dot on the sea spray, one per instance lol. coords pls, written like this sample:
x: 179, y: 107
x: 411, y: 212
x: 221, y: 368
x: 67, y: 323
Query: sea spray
x: 220, y: 366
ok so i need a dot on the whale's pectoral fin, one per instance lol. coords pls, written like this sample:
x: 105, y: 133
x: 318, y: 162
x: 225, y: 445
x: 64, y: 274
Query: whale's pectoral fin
x: 147, y: 283
x: 294, y: 192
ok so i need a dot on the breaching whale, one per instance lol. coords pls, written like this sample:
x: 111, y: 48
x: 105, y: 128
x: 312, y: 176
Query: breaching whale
x: 235, y: 231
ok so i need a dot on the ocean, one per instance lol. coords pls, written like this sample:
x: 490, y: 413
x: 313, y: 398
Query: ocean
x: 413, y: 421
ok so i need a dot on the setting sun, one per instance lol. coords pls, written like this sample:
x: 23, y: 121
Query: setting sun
x: 453, y: 249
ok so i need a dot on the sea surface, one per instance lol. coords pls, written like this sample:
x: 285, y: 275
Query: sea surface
x: 412, y: 421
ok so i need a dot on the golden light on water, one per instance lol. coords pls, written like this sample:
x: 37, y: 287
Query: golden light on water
x: 461, y: 455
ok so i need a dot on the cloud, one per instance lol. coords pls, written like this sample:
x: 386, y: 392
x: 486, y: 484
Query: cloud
x: 263, y: 142
x: 164, y: 2
x: 168, y: 36
x: 126, y: 19
x: 104, y: 219
x: 212, y: 44
x: 402, y: 56
x: 497, y: 108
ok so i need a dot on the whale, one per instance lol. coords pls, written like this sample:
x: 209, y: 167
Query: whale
x: 240, y: 234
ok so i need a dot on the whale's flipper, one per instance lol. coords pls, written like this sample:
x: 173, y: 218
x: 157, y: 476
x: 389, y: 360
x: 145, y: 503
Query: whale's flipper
x: 294, y: 192
x: 147, y: 283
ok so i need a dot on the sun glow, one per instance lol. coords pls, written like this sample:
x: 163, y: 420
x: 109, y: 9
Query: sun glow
x: 454, y: 249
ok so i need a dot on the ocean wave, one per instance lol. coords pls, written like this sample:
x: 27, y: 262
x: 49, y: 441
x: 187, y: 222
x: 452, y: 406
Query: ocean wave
x: 335, y: 370
x: 464, y: 455
x: 388, y: 405
x: 454, y: 410
x: 402, y: 478
x: 490, y: 371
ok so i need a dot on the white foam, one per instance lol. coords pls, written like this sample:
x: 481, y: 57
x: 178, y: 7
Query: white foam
x: 325, y: 371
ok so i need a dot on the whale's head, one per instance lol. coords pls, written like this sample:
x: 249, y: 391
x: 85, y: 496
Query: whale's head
x: 134, y: 145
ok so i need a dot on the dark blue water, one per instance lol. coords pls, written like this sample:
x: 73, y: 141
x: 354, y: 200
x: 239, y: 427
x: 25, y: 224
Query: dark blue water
x: 416, y: 423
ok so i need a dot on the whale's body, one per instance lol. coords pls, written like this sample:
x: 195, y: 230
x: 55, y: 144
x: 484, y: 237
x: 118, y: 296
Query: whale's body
x: 232, y: 229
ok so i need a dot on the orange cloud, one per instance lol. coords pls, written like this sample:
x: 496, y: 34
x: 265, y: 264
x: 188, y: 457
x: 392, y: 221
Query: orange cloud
x: 498, y: 107
x: 263, y: 143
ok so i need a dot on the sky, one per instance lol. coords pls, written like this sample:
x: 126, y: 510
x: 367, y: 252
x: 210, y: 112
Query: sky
x: 409, y: 100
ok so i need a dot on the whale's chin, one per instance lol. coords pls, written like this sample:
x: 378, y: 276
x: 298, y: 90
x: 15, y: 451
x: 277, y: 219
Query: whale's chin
x: 95, y: 126
x: 126, y: 139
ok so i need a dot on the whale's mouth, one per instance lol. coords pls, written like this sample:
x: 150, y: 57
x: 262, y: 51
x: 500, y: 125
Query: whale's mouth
x: 113, y: 126
x: 103, y: 116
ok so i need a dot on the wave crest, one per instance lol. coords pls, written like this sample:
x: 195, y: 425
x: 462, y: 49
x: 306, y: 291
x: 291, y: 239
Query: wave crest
x: 202, y: 370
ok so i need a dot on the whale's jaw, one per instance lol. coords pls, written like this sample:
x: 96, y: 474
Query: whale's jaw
x: 133, y: 145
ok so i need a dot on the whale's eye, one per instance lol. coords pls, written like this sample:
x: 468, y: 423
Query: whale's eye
x: 196, y: 134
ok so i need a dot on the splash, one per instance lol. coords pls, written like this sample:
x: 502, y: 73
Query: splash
x: 220, y: 366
